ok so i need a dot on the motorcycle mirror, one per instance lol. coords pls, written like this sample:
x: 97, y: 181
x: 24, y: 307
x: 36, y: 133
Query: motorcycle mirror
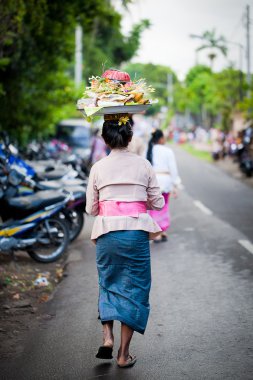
x: 13, y: 150
x: 15, y: 178
x: 10, y: 192
x: 2, y: 159
x: 3, y: 178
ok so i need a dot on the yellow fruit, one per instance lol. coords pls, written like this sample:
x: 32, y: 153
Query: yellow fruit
x: 137, y: 97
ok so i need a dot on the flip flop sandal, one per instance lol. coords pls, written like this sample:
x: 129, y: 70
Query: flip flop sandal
x: 157, y: 241
x: 104, y: 352
x: 164, y: 238
x: 130, y: 362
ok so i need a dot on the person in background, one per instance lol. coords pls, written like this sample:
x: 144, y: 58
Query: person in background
x: 136, y: 145
x: 121, y: 186
x: 163, y: 161
x: 98, y: 147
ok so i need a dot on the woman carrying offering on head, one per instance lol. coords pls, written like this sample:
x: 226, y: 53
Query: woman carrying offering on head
x: 121, y: 187
x: 164, y: 163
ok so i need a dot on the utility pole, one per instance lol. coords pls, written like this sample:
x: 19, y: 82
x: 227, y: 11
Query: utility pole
x: 240, y: 72
x: 248, y: 45
x: 240, y: 65
x: 170, y: 88
x: 78, y: 55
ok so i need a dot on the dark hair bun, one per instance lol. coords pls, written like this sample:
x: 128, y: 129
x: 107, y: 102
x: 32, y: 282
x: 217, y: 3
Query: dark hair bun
x: 115, y: 135
x: 156, y: 136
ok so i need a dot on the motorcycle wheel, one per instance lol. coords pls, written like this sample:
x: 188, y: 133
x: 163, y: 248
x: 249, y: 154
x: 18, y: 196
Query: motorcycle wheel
x: 76, y: 221
x: 52, y: 241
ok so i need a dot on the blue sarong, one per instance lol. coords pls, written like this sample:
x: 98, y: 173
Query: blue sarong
x: 123, y: 263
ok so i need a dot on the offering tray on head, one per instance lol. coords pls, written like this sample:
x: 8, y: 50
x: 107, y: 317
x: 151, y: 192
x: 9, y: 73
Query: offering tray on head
x: 101, y: 111
x: 115, y: 93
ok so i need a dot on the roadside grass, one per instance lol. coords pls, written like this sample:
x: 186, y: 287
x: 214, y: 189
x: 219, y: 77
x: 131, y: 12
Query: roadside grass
x: 201, y: 154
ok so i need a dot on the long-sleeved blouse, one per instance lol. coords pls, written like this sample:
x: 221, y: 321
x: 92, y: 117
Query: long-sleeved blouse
x: 125, y: 177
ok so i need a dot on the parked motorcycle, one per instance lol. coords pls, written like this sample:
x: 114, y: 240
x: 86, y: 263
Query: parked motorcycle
x: 55, y: 151
x: 40, y: 170
x: 246, y: 163
x: 75, y: 207
x: 34, y: 225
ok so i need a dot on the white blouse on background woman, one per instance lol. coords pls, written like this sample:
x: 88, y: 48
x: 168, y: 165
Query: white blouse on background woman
x: 165, y: 167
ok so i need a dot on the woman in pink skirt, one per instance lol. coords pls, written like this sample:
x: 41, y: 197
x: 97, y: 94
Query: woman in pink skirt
x: 163, y: 161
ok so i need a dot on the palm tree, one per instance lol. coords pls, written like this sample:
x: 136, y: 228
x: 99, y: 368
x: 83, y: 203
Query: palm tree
x: 212, y: 43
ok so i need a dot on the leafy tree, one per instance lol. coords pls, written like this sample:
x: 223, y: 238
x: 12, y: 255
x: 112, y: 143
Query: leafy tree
x: 198, y: 95
x: 37, y: 53
x: 212, y: 43
x: 195, y: 71
x: 106, y: 46
x: 156, y: 76
x: 229, y: 83
x: 246, y: 107
x: 209, y: 96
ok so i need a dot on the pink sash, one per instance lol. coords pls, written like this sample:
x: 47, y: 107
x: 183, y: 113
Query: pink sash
x: 117, y: 208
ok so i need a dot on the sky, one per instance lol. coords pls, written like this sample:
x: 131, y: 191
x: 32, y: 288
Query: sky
x: 167, y: 42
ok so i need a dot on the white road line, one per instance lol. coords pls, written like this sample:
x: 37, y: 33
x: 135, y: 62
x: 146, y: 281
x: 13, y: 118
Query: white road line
x: 189, y: 229
x: 247, y: 245
x: 203, y: 208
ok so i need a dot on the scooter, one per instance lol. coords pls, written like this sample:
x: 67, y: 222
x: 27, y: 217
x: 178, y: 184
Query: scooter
x: 35, y: 226
x: 246, y: 164
x: 75, y: 208
x: 74, y: 211
x: 43, y: 170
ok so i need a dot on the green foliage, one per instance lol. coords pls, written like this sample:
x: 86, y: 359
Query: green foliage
x: 37, y: 58
x: 231, y: 85
x: 210, y: 96
x: 201, y: 154
x: 157, y: 77
x: 195, y: 71
x: 198, y: 95
x: 246, y: 107
x: 106, y: 46
x: 212, y: 43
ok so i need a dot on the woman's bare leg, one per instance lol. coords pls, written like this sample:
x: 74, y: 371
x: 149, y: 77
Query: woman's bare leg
x: 158, y: 238
x: 126, y: 336
x: 108, y: 338
x: 164, y: 235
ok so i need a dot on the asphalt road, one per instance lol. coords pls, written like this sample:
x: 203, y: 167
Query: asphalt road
x: 228, y: 198
x: 201, y: 323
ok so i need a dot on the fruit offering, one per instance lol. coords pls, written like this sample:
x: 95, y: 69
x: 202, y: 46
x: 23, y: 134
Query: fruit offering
x: 115, y: 88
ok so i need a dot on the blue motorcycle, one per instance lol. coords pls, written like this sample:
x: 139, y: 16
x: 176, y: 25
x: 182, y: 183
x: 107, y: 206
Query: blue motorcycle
x: 34, y: 223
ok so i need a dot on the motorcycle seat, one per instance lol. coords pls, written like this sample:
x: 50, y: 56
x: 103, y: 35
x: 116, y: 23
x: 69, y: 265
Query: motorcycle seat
x: 53, y: 175
x: 77, y: 191
x: 73, y: 182
x: 37, y: 201
x: 49, y: 185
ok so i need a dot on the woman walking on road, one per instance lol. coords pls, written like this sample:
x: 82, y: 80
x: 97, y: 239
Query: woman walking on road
x: 163, y: 161
x: 121, y: 187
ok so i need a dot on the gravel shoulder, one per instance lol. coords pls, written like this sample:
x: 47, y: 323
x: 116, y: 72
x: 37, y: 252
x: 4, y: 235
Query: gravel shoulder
x: 23, y: 302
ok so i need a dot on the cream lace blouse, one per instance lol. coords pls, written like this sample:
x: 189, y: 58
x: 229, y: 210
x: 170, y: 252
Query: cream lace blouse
x: 123, y: 176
